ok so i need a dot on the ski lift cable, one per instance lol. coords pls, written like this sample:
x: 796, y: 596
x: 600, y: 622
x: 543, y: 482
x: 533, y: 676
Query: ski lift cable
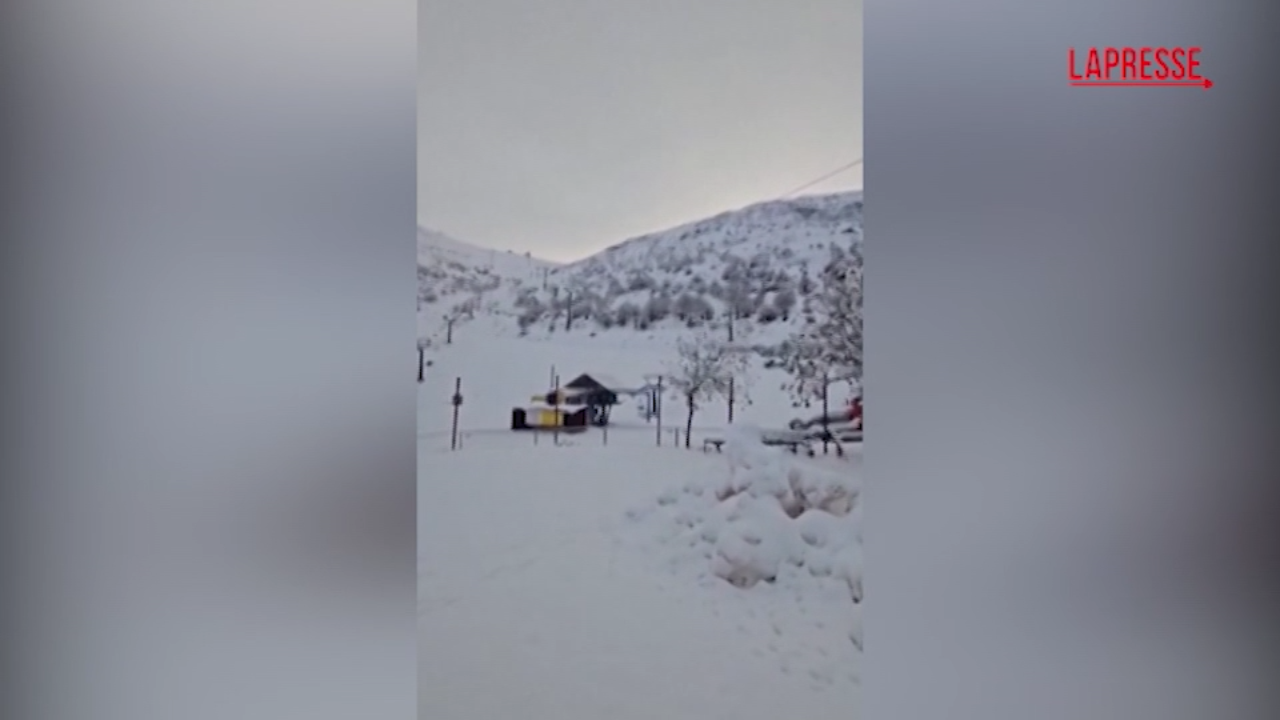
x: 843, y: 168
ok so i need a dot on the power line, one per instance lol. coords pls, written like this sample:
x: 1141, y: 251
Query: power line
x: 828, y: 176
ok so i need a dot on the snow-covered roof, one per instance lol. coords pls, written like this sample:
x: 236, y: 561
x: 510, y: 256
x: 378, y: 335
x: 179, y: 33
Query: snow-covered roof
x: 609, y: 382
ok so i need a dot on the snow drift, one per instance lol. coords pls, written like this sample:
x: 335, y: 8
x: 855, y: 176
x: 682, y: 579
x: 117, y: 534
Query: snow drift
x: 769, y: 517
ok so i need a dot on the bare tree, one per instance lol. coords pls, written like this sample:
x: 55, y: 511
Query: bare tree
x: 802, y: 360
x: 705, y: 369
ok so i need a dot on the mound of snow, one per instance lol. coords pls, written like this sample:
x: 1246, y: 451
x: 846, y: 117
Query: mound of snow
x: 768, y: 517
x: 759, y: 470
x: 754, y: 541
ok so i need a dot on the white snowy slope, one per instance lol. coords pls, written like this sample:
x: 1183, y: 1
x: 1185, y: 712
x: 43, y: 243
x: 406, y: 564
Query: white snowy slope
x: 760, y: 264
x: 456, y: 278
x: 608, y: 577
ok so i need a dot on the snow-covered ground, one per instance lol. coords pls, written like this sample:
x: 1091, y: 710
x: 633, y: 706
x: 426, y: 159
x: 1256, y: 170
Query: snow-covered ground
x: 624, y: 580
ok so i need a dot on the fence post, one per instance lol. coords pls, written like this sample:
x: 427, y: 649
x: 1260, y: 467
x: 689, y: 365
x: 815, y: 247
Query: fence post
x: 657, y: 409
x: 556, y: 412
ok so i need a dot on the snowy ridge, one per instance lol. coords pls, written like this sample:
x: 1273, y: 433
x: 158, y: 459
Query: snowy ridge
x: 796, y: 229
x: 436, y: 247
x: 758, y: 264
x: 457, y: 280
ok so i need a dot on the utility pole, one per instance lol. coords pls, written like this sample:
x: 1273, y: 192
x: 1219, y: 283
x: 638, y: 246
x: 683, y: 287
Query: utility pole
x: 456, y: 401
x: 422, y: 362
x: 568, y: 312
x: 731, y: 379
x: 448, y: 331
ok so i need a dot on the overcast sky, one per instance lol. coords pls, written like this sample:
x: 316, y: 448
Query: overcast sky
x: 561, y: 127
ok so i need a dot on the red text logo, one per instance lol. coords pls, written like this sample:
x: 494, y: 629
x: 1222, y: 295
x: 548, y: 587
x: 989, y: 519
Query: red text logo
x: 1136, y: 67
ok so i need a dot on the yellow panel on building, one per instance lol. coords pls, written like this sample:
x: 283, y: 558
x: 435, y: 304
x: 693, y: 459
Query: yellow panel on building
x: 550, y: 418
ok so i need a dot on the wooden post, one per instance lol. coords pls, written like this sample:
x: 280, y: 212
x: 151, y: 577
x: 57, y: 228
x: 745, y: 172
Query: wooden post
x: 456, y: 401
x: 556, y: 412
x: 568, y: 313
x: 422, y: 363
x: 448, y: 331
x: 657, y: 409
x: 730, y: 401
x: 826, y: 426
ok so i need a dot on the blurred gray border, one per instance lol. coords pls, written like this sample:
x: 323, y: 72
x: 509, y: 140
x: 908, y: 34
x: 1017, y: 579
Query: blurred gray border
x: 1070, y: 316
x: 208, y: 444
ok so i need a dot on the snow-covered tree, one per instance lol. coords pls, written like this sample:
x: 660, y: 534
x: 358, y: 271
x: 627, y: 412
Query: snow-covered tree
x: 828, y: 348
x: 658, y: 307
x: 784, y: 302
x: 705, y: 368
x: 629, y: 313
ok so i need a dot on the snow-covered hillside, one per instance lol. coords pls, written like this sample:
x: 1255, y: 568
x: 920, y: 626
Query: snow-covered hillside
x: 759, y: 265
x: 457, y: 281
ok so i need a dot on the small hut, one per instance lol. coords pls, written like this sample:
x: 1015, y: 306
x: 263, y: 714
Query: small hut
x: 597, y: 393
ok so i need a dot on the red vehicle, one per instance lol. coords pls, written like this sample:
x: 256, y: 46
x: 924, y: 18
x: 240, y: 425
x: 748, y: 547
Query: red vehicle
x: 855, y: 411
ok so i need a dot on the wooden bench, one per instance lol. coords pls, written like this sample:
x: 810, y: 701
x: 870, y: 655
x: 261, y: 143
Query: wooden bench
x: 791, y: 444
